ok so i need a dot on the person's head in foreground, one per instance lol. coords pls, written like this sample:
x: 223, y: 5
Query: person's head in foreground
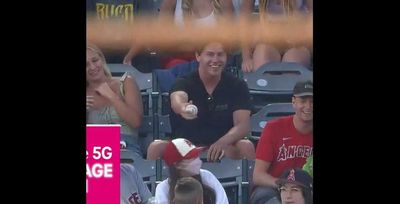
x: 295, y: 187
x: 188, y: 190
x: 183, y: 160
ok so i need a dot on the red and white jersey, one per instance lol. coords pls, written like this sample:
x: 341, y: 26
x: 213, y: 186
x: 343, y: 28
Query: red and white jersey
x: 283, y: 146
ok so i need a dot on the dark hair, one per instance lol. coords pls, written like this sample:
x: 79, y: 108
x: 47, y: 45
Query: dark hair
x: 306, y: 192
x: 209, y: 196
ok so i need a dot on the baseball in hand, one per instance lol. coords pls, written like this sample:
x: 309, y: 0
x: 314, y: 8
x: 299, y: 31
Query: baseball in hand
x: 192, y: 109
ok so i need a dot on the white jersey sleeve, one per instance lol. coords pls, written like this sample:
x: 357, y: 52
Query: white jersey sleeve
x: 210, y: 180
x: 133, y: 190
x: 162, y: 190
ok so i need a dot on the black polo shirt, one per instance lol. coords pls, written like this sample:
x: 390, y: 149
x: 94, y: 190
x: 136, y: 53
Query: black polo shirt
x: 215, y: 111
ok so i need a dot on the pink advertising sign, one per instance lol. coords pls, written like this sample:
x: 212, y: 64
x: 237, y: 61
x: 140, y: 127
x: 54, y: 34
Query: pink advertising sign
x: 102, y: 164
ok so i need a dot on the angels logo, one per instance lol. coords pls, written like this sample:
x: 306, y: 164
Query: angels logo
x: 135, y: 198
x: 294, y: 151
x: 291, y: 176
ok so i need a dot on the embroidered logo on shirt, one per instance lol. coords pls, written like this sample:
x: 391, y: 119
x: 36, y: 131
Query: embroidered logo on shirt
x: 294, y: 151
x: 135, y: 198
x: 221, y: 107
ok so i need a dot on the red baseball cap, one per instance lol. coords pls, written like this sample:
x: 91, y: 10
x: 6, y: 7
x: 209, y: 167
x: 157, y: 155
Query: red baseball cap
x: 180, y: 149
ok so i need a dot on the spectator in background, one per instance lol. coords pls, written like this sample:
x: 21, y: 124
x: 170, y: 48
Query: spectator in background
x: 133, y: 190
x: 253, y: 57
x: 223, y: 104
x: 188, y: 191
x: 112, y: 101
x: 246, y: 10
x: 182, y: 158
x: 112, y: 11
x: 184, y: 12
x: 285, y: 143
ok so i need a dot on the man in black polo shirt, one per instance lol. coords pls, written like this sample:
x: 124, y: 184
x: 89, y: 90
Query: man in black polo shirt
x: 222, y: 118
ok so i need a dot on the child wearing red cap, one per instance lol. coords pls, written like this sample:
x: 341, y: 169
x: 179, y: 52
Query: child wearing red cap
x: 182, y: 158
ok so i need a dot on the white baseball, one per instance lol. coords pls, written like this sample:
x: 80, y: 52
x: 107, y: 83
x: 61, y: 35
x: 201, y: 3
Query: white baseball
x: 192, y: 109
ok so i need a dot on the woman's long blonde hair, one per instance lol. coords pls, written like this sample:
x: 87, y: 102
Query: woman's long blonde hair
x: 187, y: 7
x: 97, y: 50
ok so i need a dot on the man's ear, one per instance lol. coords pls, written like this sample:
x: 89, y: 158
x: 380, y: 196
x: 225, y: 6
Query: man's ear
x: 197, y: 56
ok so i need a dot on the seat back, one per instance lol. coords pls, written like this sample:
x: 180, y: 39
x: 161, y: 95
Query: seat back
x: 229, y: 173
x: 274, y: 82
x: 143, y: 80
x: 146, y: 168
x: 145, y: 83
x: 146, y: 132
x: 267, y: 113
x: 164, y: 127
x: 277, y: 77
x: 247, y: 179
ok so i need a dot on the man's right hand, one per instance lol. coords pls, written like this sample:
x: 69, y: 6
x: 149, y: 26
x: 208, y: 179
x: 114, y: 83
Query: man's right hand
x: 188, y: 113
x: 216, y: 152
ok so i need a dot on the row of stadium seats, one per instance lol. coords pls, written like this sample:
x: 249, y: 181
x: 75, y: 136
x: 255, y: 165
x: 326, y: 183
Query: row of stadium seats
x: 234, y: 175
x: 270, y: 90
